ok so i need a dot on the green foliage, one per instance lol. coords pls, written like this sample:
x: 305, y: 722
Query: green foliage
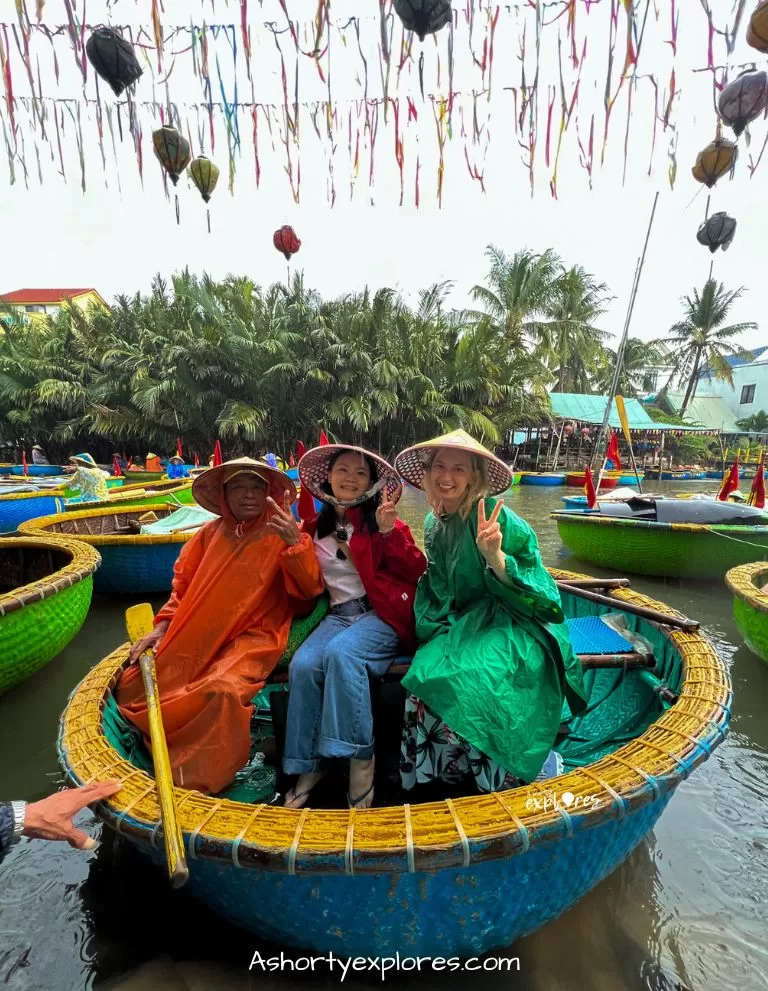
x: 688, y: 448
x: 756, y: 423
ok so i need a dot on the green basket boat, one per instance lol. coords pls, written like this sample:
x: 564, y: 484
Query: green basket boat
x: 113, y: 482
x: 172, y: 492
x: 456, y: 877
x: 46, y: 584
x: 750, y: 605
x: 664, y: 550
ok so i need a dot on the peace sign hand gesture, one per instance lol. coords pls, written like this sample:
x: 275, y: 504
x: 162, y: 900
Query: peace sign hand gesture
x: 386, y: 514
x: 489, y: 532
x: 283, y: 522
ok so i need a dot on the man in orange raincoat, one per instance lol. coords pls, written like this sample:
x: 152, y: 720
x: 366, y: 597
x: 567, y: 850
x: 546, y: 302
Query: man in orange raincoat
x: 236, y: 586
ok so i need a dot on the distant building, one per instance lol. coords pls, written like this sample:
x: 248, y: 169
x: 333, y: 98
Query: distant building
x: 750, y: 384
x: 36, y: 304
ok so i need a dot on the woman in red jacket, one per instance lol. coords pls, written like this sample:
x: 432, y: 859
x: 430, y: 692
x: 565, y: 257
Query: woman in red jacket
x: 370, y: 566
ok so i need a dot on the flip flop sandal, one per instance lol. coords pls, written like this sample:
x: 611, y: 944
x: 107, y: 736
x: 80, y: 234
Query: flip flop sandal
x: 353, y: 804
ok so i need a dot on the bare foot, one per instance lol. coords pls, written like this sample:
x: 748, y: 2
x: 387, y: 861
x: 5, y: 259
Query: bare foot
x: 360, y: 784
x: 298, y: 796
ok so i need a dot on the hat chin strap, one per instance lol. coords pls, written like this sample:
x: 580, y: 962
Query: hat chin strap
x: 348, y: 504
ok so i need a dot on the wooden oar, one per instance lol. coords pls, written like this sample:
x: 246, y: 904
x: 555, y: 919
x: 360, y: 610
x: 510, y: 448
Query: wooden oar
x: 595, y: 582
x: 644, y: 611
x: 139, y: 620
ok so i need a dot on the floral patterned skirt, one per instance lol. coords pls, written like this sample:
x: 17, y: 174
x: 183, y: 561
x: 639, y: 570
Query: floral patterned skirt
x: 432, y: 751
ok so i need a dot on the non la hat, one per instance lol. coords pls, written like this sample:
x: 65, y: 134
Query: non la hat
x: 85, y: 459
x: 313, y: 469
x: 413, y: 461
x: 207, y: 487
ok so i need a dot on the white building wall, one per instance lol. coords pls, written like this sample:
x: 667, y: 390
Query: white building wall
x: 744, y: 377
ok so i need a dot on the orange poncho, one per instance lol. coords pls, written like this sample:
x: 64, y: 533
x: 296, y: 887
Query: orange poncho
x: 230, y: 611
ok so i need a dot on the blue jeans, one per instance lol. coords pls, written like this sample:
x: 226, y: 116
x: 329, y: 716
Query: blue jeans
x: 329, y: 705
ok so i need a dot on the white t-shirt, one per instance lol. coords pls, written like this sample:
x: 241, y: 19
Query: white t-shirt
x: 340, y: 577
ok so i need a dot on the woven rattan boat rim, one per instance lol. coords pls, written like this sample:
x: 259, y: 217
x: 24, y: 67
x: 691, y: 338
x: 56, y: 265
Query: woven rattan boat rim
x: 41, y: 523
x: 743, y: 582
x: 40, y: 494
x: 84, y: 560
x: 618, y: 521
x: 417, y: 837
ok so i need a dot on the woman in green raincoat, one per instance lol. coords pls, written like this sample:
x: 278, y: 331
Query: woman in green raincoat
x: 487, y: 683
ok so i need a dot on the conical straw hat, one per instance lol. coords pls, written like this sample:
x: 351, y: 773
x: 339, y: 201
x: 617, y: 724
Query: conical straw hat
x: 313, y: 469
x: 413, y: 461
x: 206, y: 488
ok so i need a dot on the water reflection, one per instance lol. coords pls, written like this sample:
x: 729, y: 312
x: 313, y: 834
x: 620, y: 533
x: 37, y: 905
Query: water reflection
x: 686, y: 910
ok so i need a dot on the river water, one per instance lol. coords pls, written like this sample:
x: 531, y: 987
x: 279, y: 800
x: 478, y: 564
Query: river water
x: 687, y: 910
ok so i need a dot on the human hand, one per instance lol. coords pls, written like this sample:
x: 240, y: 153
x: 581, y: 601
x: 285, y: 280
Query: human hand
x: 149, y: 642
x: 51, y: 818
x: 283, y: 522
x: 386, y: 513
x: 489, y: 532
x: 68, y: 469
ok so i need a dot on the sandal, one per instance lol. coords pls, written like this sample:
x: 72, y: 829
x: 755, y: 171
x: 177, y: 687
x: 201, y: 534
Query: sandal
x: 292, y: 796
x: 353, y: 803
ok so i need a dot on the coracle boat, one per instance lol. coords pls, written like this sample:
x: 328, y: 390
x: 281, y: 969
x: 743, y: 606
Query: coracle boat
x: 516, y: 477
x: 113, y: 482
x: 173, y: 492
x: 750, y: 605
x: 542, y: 478
x: 629, y: 477
x: 456, y: 877
x: 37, y: 471
x: 139, y: 475
x: 667, y: 538
x: 131, y: 562
x: 17, y: 507
x: 578, y: 479
x: 45, y: 591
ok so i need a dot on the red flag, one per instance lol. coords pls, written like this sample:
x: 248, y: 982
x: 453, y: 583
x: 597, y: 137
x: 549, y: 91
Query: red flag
x: 757, y: 492
x: 730, y: 482
x: 178, y: 447
x: 323, y: 439
x: 613, y: 451
x: 306, y: 507
x: 130, y: 462
x: 116, y: 471
x: 300, y: 450
x: 217, y: 458
x: 589, y: 488
x: 291, y: 461
x: 24, y: 461
x: 197, y: 460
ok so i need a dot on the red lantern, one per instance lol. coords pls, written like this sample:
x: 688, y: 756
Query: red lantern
x: 568, y: 429
x: 285, y: 240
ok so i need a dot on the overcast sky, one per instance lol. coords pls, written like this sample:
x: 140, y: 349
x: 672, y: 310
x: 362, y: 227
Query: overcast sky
x: 115, y: 240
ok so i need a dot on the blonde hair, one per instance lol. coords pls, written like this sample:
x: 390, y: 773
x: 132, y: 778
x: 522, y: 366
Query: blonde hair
x: 478, y: 488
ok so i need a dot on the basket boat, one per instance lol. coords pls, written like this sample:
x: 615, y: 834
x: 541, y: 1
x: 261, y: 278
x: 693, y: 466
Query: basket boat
x: 750, y: 605
x: 131, y: 563
x: 453, y: 877
x: 516, y: 477
x: 113, y: 482
x: 665, y: 550
x: 629, y: 477
x: 18, y: 507
x: 135, y: 475
x: 578, y: 479
x: 45, y: 591
x: 172, y: 492
x: 38, y: 471
x: 542, y: 478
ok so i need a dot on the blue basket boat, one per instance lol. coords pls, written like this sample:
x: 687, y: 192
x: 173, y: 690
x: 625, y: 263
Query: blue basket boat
x: 131, y: 563
x: 38, y: 471
x: 542, y: 478
x: 446, y: 878
x: 18, y: 507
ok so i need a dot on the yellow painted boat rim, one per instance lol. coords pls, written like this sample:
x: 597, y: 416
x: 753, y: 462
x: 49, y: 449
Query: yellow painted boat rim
x: 406, y: 838
x: 746, y: 580
x: 83, y: 561
x: 40, y: 524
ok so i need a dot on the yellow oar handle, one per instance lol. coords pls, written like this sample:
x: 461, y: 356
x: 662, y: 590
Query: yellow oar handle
x: 174, y: 844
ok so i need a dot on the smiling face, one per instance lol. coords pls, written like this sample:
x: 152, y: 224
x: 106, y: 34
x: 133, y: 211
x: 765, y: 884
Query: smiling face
x: 450, y: 476
x: 349, y: 477
x: 246, y: 496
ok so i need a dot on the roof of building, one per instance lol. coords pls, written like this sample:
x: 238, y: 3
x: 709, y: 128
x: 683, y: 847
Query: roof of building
x: 710, y: 411
x: 42, y: 296
x: 591, y: 409
x: 735, y: 359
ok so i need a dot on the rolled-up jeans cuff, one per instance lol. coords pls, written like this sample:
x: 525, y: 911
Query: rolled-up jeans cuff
x: 338, y: 748
x: 291, y: 766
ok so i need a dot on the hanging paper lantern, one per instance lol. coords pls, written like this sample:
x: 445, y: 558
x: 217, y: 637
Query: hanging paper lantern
x: 757, y: 32
x: 568, y: 429
x: 113, y: 59
x: 744, y: 99
x: 423, y: 16
x: 717, y: 232
x: 205, y: 175
x: 714, y: 161
x: 172, y: 150
x: 285, y: 240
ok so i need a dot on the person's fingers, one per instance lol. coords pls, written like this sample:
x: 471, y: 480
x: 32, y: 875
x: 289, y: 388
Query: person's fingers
x: 481, y: 515
x: 97, y: 790
x: 397, y: 493
x: 80, y: 840
x: 496, y: 510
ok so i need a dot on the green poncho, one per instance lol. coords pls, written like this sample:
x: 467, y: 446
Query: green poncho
x: 494, y: 661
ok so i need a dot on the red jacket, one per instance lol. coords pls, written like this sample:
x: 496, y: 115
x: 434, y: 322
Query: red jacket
x: 389, y: 566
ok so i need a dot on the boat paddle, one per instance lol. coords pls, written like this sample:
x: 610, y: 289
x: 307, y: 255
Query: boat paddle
x: 139, y: 620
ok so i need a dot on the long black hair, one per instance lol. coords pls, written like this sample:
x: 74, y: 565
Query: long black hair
x: 326, y: 522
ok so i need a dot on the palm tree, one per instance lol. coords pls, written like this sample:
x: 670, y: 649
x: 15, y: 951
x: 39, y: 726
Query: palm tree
x: 638, y: 360
x: 701, y: 340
